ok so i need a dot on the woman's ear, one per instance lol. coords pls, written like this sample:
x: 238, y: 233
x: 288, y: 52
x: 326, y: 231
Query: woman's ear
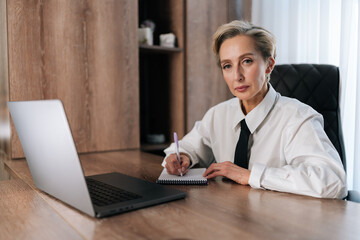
x: 270, y: 65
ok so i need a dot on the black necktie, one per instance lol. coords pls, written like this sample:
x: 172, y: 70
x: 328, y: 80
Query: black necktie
x: 241, y: 150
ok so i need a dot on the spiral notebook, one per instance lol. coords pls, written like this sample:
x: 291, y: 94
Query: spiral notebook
x: 193, y: 177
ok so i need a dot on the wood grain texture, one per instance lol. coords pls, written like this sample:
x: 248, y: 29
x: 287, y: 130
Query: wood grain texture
x: 221, y: 210
x: 239, y: 9
x: 177, y: 73
x: 84, y: 53
x: 25, y: 215
x: 4, y: 85
x: 205, y: 86
x: 246, y: 8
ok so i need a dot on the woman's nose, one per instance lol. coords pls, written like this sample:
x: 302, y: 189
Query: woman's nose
x: 238, y: 74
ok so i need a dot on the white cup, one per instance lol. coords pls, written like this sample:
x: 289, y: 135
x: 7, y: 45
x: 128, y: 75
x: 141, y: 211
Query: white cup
x: 145, y: 36
x: 167, y: 40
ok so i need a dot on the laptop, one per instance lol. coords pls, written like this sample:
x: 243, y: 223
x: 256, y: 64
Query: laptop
x: 50, y: 151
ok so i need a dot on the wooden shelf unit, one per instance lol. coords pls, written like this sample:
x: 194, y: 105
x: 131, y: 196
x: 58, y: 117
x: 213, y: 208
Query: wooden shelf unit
x: 159, y: 49
x: 162, y: 78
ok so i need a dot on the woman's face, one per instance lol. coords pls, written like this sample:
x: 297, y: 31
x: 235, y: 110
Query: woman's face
x: 244, y: 70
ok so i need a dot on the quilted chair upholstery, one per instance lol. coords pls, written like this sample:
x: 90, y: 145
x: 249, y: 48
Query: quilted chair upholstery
x: 317, y: 86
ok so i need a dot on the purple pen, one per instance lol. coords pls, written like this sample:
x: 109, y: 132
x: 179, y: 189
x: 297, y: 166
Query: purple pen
x: 177, y: 149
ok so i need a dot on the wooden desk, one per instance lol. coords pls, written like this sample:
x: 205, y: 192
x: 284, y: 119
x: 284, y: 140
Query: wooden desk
x: 221, y: 210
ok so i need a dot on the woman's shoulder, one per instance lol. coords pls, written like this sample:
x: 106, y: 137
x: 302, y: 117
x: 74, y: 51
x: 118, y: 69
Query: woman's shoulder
x: 225, y: 106
x: 294, y: 107
x: 223, y: 109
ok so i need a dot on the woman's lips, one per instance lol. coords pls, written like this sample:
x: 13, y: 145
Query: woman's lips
x: 241, y: 88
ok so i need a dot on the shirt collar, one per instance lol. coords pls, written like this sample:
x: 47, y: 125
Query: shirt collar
x: 239, y: 115
x: 259, y: 113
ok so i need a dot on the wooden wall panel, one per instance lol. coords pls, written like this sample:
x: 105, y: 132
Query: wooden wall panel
x: 113, y: 70
x: 177, y: 73
x: 4, y: 94
x: 4, y: 86
x: 84, y: 53
x: 246, y: 8
x: 239, y: 9
x: 205, y: 85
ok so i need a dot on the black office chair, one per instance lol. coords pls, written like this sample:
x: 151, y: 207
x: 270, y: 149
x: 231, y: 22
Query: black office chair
x: 318, y: 86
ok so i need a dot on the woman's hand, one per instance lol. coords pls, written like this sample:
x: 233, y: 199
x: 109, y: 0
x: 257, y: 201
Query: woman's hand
x: 173, y: 166
x: 229, y: 170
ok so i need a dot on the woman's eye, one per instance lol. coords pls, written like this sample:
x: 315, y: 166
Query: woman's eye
x: 226, y: 66
x: 248, y: 61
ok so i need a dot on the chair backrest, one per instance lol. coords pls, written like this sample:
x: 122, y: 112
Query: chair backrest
x: 318, y: 86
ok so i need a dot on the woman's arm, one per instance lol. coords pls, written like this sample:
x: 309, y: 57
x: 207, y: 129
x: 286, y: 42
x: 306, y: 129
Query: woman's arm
x: 313, y: 165
x: 196, y: 145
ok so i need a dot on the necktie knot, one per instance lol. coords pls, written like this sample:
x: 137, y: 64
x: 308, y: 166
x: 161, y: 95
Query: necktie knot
x: 244, y: 127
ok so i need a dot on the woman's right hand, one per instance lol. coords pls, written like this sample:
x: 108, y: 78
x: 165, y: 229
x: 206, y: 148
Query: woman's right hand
x: 174, y: 167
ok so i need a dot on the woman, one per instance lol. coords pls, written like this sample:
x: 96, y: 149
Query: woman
x: 288, y: 149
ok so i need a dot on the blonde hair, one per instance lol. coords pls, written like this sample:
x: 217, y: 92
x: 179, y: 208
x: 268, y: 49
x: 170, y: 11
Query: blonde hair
x: 264, y: 40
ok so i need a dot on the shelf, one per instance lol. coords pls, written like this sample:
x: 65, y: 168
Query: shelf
x: 162, y: 74
x: 154, y: 147
x: 158, y: 49
x: 157, y: 149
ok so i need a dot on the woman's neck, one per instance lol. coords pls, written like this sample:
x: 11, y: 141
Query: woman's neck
x: 248, y: 105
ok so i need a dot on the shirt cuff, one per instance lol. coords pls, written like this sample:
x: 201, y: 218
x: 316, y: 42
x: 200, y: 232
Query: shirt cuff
x: 256, y: 174
x: 164, y: 162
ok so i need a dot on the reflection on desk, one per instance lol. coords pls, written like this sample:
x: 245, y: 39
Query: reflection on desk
x: 221, y: 210
x: 25, y: 215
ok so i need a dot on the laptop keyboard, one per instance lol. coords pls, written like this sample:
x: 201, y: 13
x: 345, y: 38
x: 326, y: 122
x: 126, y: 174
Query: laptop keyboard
x: 103, y: 194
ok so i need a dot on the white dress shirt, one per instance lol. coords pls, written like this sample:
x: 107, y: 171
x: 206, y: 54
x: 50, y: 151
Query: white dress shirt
x: 288, y: 148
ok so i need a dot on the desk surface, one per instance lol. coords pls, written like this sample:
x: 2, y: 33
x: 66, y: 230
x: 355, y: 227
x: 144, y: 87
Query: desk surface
x: 221, y: 210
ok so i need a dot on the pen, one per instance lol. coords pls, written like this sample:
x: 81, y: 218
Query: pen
x: 177, y: 149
